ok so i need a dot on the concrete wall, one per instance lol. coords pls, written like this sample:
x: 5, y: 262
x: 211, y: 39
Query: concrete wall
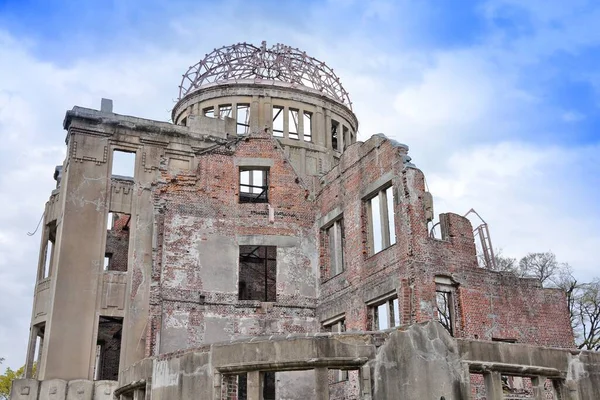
x: 58, y: 389
x: 420, y: 361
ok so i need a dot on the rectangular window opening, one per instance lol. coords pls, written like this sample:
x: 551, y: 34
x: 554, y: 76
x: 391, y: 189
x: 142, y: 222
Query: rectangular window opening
x: 48, y: 251
x: 335, y: 239
x: 243, y: 118
x: 258, y: 273
x: 268, y: 382
x: 334, y: 134
x: 277, y: 121
x: 108, y: 348
x: 293, y: 124
x: 209, y: 112
x: 443, y: 300
x: 39, y: 347
x: 381, y: 220
x: 254, y: 185
x: 117, y: 242
x: 386, y: 314
x: 225, y: 111
x: 307, y: 126
x: 123, y: 164
x: 235, y: 387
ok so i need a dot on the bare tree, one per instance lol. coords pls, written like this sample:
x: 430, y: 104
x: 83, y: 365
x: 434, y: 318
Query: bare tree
x: 587, y: 316
x: 542, y: 266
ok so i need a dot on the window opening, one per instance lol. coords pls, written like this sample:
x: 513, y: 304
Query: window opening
x: 386, y: 314
x: 209, y: 112
x: 293, y: 124
x: 107, y: 258
x: 184, y: 122
x: 258, y: 273
x: 335, y: 238
x: 117, y: 242
x: 277, y: 121
x: 34, y: 363
x: 382, y: 228
x: 108, y: 348
x: 268, y: 392
x: 334, y: 134
x: 225, y: 110
x: 443, y: 301
x: 243, y: 118
x: 235, y: 386
x: 48, y: 251
x: 123, y: 164
x: 307, y: 126
x: 254, y: 185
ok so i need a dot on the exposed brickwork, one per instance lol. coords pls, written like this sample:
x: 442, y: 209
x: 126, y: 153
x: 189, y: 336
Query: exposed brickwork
x: 117, y: 243
x: 192, y: 208
x: 486, y: 304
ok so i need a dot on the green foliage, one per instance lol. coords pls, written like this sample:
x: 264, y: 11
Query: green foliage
x: 7, y: 378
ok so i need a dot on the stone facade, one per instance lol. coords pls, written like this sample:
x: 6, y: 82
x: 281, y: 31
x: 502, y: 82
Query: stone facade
x: 273, y: 263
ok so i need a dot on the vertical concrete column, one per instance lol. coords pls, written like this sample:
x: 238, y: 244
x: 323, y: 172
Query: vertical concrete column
x: 318, y: 127
x: 301, y: 125
x: 254, y: 391
x: 327, y: 130
x: 384, y: 218
x: 365, y: 382
x: 321, y: 384
x: 267, y: 114
x: 137, y: 303
x: 465, y: 381
x: 341, y: 138
x: 255, y: 114
x: 69, y: 332
x: 286, y: 122
x: 43, y: 252
x: 33, y: 333
x: 537, y: 383
x: 493, y: 385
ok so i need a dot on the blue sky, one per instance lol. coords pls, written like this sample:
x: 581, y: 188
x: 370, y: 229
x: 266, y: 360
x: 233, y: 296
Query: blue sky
x: 498, y: 101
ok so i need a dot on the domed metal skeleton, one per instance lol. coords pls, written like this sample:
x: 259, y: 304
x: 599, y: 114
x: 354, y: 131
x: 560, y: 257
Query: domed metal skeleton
x: 244, y: 61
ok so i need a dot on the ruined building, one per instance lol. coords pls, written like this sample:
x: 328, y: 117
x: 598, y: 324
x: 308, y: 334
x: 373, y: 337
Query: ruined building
x: 256, y: 250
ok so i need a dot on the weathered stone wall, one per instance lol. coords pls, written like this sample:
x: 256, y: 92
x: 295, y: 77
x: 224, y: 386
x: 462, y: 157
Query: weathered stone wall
x: 58, y: 389
x: 202, y: 224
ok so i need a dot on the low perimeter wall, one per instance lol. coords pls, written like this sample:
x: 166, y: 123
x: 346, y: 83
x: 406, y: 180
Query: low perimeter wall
x: 420, y: 361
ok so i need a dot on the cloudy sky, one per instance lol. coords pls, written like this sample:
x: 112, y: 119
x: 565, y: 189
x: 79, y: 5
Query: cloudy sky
x: 498, y: 101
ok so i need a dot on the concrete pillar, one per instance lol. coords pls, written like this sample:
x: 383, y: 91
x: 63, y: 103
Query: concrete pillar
x: 33, y: 333
x: 267, y: 114
x: 537, y: 383
x: 318, y: 127
x: 327, y: 130
x: 365, y: 382
x: 254, y: 388
x: 493, y: 385
x: 465, y: 381
x: 321, y: 384
x: 301, y: 125
x: 255, y: 115
x: 341, y: 138
x: 286, y: 122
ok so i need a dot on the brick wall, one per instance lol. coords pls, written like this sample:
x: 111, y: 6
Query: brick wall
x: 487, y: 304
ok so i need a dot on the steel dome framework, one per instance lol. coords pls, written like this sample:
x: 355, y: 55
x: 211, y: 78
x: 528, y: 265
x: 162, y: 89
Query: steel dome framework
x: 243, y: 62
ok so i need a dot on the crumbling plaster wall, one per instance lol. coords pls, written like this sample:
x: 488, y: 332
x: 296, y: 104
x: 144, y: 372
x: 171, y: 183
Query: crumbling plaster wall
x: 200, y: 226
x: 488, y: 304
